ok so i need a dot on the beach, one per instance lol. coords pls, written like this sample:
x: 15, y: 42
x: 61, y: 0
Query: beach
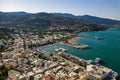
x: 72, y: 41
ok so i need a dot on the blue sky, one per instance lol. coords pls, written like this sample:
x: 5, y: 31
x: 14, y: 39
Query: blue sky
x: 101, y: 8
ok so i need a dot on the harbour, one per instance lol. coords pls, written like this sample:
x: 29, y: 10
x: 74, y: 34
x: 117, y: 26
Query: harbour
x: 103, y: 49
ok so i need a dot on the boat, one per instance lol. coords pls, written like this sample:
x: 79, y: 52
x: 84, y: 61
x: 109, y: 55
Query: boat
x: 97, y: 60
x: 84, y: 46
x: 98, y: 38
x: 61, y: 50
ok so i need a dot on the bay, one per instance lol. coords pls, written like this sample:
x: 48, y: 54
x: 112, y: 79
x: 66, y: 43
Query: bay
x: 107, y: 49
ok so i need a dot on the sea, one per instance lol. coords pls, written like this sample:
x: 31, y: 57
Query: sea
x: 107, y: 48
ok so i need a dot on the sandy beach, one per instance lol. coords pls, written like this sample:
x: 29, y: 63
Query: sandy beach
x: 73, y: 40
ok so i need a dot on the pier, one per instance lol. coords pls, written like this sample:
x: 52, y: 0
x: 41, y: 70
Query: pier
x: 80, y: 46
x: 76, y: 45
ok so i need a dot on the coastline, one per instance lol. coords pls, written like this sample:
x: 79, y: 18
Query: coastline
x: 88, y: 56
x: 72, y: 41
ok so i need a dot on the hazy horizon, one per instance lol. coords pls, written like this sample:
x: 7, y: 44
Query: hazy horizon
x: 100, y: 8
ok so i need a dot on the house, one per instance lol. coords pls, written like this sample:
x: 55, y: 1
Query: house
x: 13, y: 74
x: 38, y: 77
x: 48, y: 77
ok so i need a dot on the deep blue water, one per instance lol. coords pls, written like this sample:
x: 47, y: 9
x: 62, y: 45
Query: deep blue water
x: 107, y: 49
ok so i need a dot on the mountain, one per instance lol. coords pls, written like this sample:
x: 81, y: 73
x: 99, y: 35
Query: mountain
x: 90, y: 19
x: 44, y: 19
x: 37, y: 20
x: 16, y: 16
x: 14, y: 13
x: 98, y: 20
x: 67, y: 15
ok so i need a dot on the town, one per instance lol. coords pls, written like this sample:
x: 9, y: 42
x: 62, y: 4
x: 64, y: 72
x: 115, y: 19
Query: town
x: 22, y: 58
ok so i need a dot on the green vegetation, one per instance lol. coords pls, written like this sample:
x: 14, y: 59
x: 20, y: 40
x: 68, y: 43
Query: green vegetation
x: 55, y: 59
x: 63, y: 39
x: 5, y: 34
x: 42, y: 56
x: 81, y: 64
x: 39, y: 55
x: 2, y: 49
x: 41, y: 20
x: 31, y: 78
x: 3, y: 73
x: 51, y: 54
x: 31, y: 45
x: 0, y: 56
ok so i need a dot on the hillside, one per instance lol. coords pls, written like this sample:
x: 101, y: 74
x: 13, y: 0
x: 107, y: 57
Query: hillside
x: 98, y: 20
x: 90, y: 19
x: 23, y: 19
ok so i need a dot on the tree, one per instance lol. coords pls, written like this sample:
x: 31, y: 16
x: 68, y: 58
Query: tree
x: 3, y: 73
x: 31, y: 78
x: 2, y: 49
x: 0, y: 56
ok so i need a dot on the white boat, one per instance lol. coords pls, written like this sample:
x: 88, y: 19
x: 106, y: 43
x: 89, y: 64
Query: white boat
x: 60, y: 50
x: 97, y: 60
x: 84, y: 46
x: 98, y: 38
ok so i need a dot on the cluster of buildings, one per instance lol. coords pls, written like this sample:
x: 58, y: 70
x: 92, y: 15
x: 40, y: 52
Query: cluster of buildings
x: 61, y: 28
x: 53, y: 37
x: 101, y: 73
x: 29, y: 64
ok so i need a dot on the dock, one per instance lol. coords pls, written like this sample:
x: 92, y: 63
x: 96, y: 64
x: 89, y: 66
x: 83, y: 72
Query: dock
x: 78, y: 46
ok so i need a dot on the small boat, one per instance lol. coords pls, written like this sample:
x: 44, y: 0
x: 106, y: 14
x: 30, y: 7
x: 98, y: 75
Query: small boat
x: 84, y: 46
x: 61, y: 50
x: 97, y: 60
x: 98, y: 38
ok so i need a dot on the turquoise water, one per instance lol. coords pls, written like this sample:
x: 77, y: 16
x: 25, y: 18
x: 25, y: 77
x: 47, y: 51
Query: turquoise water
x: 107, y: 49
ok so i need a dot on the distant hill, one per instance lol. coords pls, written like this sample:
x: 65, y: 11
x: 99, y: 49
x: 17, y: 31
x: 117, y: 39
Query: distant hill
x: 90, y: 19
x: 44, y: 19
x: 14, y: 13
x: 98, y: 20
x: 67, y: 15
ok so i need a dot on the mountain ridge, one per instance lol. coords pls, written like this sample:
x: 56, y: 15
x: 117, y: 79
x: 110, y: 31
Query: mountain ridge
x: 87, y: 18
x: 99, y: 20
x: 91, y: 19
x: 45, y: 19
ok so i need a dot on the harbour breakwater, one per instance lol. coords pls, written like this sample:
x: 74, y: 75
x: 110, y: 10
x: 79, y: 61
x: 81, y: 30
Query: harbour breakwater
x: 107, y: 49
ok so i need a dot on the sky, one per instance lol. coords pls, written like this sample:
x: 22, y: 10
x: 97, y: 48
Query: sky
x: 100, y: 8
